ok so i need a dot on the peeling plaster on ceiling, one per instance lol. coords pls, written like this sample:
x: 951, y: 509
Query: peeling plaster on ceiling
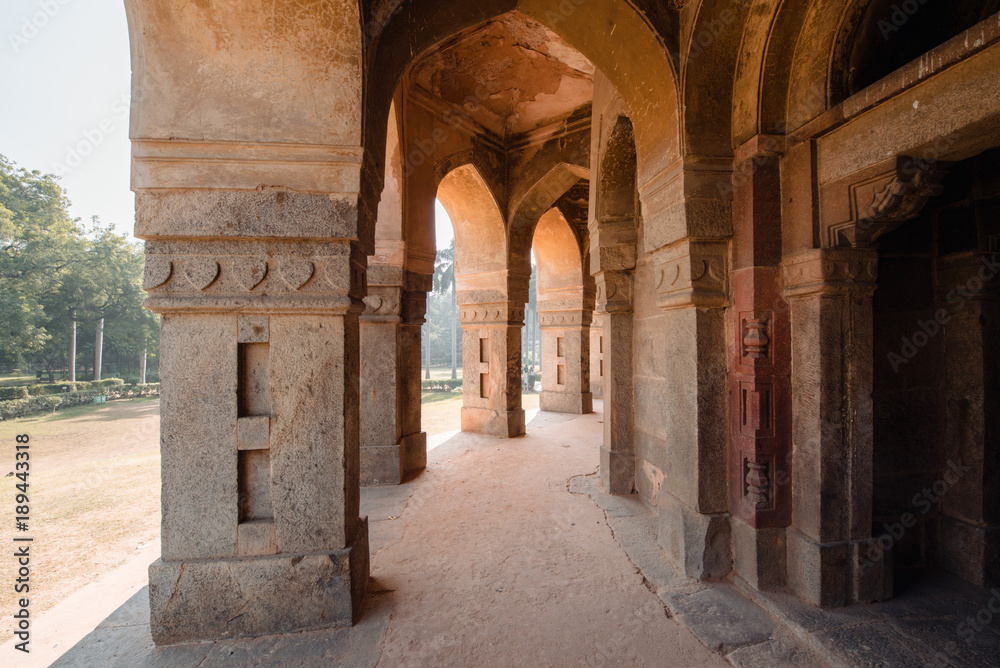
x: 519, y: 74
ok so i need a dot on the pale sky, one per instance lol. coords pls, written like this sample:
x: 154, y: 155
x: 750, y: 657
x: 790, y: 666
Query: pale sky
x: 66, y: 78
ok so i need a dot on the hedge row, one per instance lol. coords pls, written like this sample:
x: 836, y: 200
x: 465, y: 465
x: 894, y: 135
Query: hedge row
x: 443, y: 385
x: 17, y: 408
x: 46, y: 389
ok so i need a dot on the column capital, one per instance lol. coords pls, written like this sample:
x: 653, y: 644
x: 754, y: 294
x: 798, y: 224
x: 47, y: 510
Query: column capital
x: 250, y: 276
x: 692, y: 272
x: 498, y: 313
x: 383, y: 303
x: 614, y: 291
x: 564, y: 319
x: 830, y: 271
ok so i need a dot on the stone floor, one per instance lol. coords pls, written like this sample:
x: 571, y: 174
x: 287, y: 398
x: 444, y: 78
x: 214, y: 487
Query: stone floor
x: 506, y: 553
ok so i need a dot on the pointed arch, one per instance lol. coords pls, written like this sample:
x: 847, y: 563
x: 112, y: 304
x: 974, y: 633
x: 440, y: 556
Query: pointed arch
x: 535, y: 203
x: 612, y: 34
x: 480, y: 241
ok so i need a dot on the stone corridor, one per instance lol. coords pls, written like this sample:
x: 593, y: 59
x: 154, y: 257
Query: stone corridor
x: 513, y: 556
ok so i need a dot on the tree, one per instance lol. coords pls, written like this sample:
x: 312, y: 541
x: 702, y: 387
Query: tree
x: 54, y: 274
x: 444, y: 282
x: 39, y: 242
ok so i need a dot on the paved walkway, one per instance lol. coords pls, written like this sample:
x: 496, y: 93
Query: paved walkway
x: 507, y: 553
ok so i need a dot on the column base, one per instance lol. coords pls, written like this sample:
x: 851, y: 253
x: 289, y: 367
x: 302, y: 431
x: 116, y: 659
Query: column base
x: 391, y: 464
x: 505, y: 424
x: 212, y: 599
x: 566, y: 402
x: 971, y: 552
x: 831, y: 575
x: 617, y: 471
x: 759, y: 555
x: 698, y: 544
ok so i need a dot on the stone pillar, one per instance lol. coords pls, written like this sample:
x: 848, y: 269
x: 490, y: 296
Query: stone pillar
x: 832, y: 560
x: 691, y: 289
x: 565, y: 362
x: 259, y: 417
x: 759, y: 375
x: 969, y: 296
x: 597, y: 357
x: 614, y: 303
x: 491, y: 368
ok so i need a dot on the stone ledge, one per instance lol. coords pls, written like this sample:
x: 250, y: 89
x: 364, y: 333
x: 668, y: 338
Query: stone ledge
x: 246, y: 597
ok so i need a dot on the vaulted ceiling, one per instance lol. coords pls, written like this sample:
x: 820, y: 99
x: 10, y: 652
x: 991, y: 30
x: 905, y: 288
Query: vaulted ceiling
x: 511, y: 75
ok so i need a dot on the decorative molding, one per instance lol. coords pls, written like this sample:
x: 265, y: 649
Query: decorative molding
x: 882, y: 202
x: 253, y: 278
x: 201, y: 272
x: 692, y: 273
x: 830, y: 271
x: 157, y: 272
x: 235, y: 165
x: 296, y: 272
x: 382, y: 302
x: 755, y: 341
x: 564, y: 319
x: 511, y: 314
x: 614, y: 291
x: 251, y: 273
x: 757, y: 483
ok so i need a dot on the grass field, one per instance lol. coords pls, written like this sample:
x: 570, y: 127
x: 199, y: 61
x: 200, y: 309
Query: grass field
x: 19, y: 378
x: 94, y: 495
x: 440, y: 372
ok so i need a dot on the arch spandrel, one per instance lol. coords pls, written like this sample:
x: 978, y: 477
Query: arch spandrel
x: 538, y: 200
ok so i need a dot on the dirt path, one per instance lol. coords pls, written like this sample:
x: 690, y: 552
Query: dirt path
x: 499, y: 565
x: 94, y: 493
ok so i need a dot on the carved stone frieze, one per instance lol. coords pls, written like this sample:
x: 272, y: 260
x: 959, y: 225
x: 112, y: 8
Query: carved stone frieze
x: 880, y: 199
x: 564, y: 319
x: 692, y: 273
x: 233, y: 276
x: 509, y: 313
x: 614, y: 291
x: 830, y: 271
x: 382, y: 302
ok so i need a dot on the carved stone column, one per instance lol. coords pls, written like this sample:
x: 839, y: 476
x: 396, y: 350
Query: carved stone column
x: 565, y: 361
x: 969, y: 293
x: 597, y: 357
x: 831, y: 560
x: 614, y: 303
x: 691, y: 286
x: 392, y: 445
x: 259, y: 418
x: 491, y: 368
x: 759, y: 361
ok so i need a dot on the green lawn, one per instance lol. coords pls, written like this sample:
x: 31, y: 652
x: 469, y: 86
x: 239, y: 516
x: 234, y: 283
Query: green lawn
x: 431, y: 397
x: 16, y: 378
x: 440, y: 372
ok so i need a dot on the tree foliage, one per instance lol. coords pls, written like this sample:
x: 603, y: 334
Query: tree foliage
x: 52, y: 269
